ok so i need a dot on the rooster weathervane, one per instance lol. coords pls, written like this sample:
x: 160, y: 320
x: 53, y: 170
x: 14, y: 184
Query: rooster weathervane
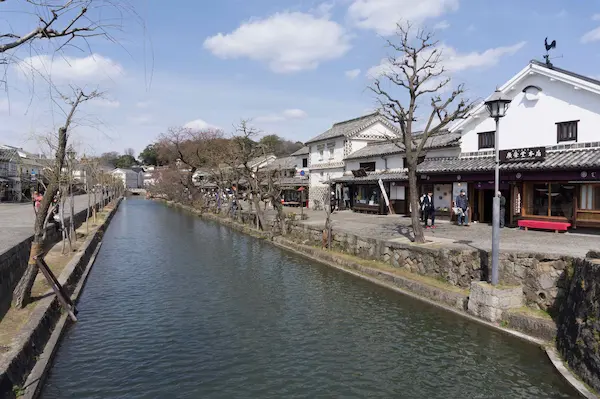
x: 548, y: 48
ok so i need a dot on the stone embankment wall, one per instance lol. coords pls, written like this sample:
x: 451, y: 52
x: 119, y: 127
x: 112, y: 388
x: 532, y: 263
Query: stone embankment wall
x: 578, y: 337
x: 13, y: 262
x: 542, y: 276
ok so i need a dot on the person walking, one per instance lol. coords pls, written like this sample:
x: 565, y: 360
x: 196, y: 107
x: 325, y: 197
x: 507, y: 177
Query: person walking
x: 422, y: 209
x: 462, y: 203
x: 502, y: 209
x: 346, y: 197
x: 429, y: 209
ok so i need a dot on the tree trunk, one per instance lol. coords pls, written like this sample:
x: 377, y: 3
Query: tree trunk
x: 72, y: 205
x: 414, y: 204
x: 280, y: 214
x: 22, y: 292
x: 260, y: 214
x: 87, y: 213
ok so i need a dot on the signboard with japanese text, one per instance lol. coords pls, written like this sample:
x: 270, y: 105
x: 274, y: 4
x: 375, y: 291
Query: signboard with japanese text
x: 523, y: 154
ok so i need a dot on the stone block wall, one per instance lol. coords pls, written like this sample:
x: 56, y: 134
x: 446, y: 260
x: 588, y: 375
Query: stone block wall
x: 542, y: 276
x: 578, y: 321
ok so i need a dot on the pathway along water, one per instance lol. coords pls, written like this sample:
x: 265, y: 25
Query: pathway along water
x: 177, y: 307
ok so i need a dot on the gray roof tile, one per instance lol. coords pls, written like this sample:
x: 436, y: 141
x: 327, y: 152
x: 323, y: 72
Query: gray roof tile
x: 373, y: 177
x: 386, y: 148
x: 571, y: 158
x: 352, y: 126
x: 301, y: 151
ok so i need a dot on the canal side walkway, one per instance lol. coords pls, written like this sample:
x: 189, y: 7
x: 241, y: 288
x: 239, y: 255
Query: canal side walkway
x: 28, y: 336
x: 475, y: 236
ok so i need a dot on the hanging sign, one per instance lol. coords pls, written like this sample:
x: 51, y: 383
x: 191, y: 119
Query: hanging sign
x: 523, y: 154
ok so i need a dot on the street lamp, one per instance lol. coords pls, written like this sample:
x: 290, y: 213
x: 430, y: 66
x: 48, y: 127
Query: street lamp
x: 496, y: 106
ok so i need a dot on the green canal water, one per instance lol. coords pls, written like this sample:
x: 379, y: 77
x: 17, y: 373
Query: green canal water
x: 177, y: 307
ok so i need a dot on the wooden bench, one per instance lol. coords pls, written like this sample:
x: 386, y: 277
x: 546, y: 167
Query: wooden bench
x: 544, y: 225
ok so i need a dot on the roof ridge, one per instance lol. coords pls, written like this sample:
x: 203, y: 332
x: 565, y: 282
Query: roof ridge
x: 355, y: 119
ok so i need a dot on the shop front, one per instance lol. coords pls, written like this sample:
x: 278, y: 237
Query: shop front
x: 365, y: 195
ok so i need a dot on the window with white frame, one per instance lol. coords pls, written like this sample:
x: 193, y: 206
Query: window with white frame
x: 331, y: 149
x: 321, y: 149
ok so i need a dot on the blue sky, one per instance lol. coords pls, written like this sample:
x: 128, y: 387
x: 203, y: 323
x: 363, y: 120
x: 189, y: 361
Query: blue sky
x: 294, y: 66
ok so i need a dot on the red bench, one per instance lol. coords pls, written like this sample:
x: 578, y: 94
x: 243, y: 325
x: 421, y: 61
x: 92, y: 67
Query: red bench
x: 545, y: 225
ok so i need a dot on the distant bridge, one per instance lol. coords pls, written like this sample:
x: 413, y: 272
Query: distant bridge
x: 135, y: 191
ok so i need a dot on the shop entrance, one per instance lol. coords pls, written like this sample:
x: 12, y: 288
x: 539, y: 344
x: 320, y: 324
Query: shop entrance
x: 483, y: 204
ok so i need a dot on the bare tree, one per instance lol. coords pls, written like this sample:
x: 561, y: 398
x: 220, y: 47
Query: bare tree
x: 189, y: 150
x: 417, y: 78
x: 22, y: 293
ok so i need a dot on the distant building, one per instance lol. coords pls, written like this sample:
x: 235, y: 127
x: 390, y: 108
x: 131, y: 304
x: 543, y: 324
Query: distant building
x: 129, y: 177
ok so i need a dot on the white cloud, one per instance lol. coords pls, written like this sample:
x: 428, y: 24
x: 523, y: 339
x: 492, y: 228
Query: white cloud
x: 288, y: 114
x: 383, y: 15
x: 105, y: 103
x: 441, y: 25
x: 353, y: 73
x: 91, y: 69
x: 288, y: 42
x: 596, y: 17
x: 591, y: 36
x: 453, y: 61
x: 199, y: 124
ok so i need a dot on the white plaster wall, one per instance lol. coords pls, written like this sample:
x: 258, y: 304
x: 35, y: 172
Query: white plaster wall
x: 533, y: 123
x: 338, y: 154
x: 317, y: 180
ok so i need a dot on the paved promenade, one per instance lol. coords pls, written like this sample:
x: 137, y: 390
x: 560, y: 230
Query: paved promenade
x: 575, y: 243
x: 16, y: 221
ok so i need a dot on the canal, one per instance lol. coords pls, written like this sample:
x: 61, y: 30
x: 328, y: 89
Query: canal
x: 177, y: 307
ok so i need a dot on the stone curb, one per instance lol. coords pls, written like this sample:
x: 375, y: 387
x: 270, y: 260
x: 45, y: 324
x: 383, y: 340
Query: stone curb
x: 42, y: 331
x: 568, y: 375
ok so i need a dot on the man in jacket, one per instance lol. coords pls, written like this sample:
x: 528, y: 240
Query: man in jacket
x: 462, y: 203
x: 429, y: 209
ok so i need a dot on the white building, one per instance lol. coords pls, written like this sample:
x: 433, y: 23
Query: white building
x: 550, y: 106
x: 328, y: 150
x: 130, y: 178
x: 552, y: 172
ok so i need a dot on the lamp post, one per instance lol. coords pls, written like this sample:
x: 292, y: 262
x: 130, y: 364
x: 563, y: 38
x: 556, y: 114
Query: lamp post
x: 496, y: 106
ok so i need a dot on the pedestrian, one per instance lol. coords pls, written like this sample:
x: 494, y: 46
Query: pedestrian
x: 37, y: 201
x: 429, y: 209
x: 421, y: 203
x: 502, y: 209
x: 462, y: 203
x: 346, y: 197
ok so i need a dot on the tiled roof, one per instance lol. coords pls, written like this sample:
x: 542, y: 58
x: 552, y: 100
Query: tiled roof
x: 373, y: 177
x: 573, y: 74
x: 301, y: 151
x: 7, y: 154
x: 282, y: 163
x: 293, y: 182
x: 572, y: 158
x: 386, y: 148
x: 352, y: 126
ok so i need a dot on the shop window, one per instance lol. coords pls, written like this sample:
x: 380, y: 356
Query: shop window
x: 551, y: 199
x: 590, y: 197
x: 486, y: 140
x: 367, y: 195
x: 368, y: 166
x: 566, y: 131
